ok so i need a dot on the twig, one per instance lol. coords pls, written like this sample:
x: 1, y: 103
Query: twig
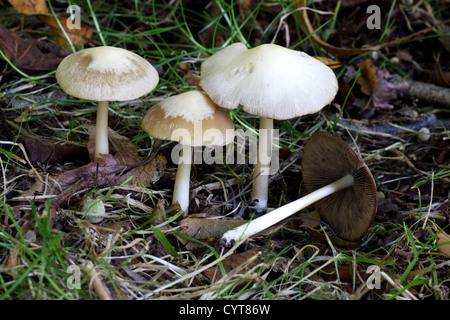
x: 427, y: 92
x: 96, y: 281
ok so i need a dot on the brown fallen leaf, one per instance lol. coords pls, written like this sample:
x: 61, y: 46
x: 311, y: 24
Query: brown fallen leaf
x: 30, y: 7
x: 186, y: 68
x: 376, y: 84
x: 346, y: 274
x: 103, y: 169
x: 333, y: 64
x: 149, y: 172
x: 443, y: 241
x: 125, y: 152
x: 310, y: 219
x: 30, y: 54
x: 368, y: 78
x: 109, y: 170
x: 240, y: 263
x: 44, y: 151
x: 13, y: 259
x: 78, y: 36
x: 204, y: 229
x: 120, y: 146
x: 385, y: 91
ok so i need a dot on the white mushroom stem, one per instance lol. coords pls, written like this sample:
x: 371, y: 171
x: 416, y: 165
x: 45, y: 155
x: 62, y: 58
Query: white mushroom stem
x: 269, y: 219
x: 181, y: 188
x: 101, y: 129
x: 260, y: 189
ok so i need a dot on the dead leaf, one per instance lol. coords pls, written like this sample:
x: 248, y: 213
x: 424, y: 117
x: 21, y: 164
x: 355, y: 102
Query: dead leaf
x: 346, y: 274
x: 186, y: 68
x: 13, y: 259
x: 108, y: 170
x: 310, y: 219
x: 30, y: 54
x: 333, y: 64
x: 30, y: 7
x: 385, y: 91
x: 125, y: 152
x: 122, y: 146
x: 368, y: 78
x: 443, y: 241
x: 414, y: 273
x: 204, y: 229
x: 103, y: 169
x: 78, y: 36
x: 147, y: 173
x: 44, y: 151
x: 240, y: 263
x: 376, y: 84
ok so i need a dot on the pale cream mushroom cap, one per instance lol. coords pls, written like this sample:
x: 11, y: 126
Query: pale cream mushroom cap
x: 269, y: 81
x: 106, y: 74
x: 190, y: 118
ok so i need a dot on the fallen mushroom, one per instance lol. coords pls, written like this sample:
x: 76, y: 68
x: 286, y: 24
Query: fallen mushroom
x: 105, y: 74
x: 191, y: 119
x: 271, y: 82
x: 338, y: 180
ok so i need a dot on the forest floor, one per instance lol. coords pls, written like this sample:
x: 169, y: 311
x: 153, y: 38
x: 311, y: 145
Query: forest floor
x: 392, y: 107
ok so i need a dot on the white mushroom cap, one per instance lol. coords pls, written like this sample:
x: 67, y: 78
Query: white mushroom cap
x: 188, y: 118
x: 268, y: 81
x: 106, y: 74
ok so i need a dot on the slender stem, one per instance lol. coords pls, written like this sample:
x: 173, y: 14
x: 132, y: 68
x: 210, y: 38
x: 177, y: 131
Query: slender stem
x: 181, y: 188
x: 101, y: 129
x: 269, y: 219
x: 260, y: 191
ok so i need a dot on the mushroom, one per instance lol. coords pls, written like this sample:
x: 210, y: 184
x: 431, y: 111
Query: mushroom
x: 338, y: 180
x: 271, y: 82
x: 105, y: 74
x: 193, y: 120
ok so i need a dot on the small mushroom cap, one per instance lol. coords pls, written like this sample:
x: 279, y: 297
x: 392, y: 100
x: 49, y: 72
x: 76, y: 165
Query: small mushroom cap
x: 190, y: 118
x: 268, y: 81
x: 349, y: 212
x: 106, y: 74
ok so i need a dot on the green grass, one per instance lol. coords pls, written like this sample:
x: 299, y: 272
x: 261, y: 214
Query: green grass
x: 145, y: 255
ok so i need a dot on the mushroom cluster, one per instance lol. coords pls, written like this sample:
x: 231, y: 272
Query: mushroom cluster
x: 268, y: 81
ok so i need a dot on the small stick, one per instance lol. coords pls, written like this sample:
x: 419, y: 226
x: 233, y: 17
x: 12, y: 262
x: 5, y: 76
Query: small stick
x: 427, y: 92
x: 97, y: 283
